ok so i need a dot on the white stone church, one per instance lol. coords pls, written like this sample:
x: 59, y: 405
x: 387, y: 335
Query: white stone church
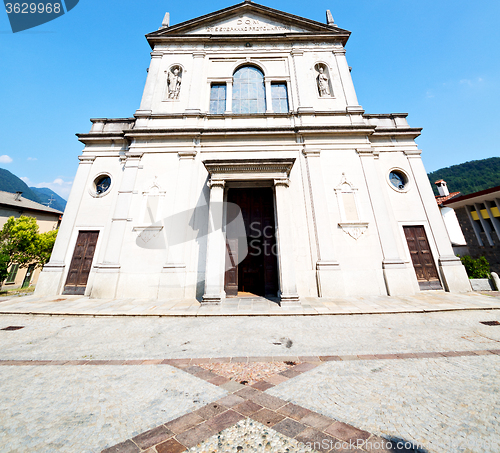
x: 250, y: 167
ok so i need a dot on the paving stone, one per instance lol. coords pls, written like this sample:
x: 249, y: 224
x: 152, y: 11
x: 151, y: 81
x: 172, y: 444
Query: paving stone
x: 184, y: 423
x: 247, y: 407
x: 218, y: 380
x: 262, y: 385
x: 346, y: 432
x: 316, y: 439
x: 293, y: 411
x: 224, y: 420
x: 232, y: 386
x: 267, y: 417
x: 317, y: 421
x: 152, y: 437
x: 247, y: 392
x: 210, y: 410
x: 289, y: 427
x: 276, y: 379
x: 170, y: 446
x: 231, y: 400
x: 271, y: 402
x: 195, y: 435
x: 125, y: 447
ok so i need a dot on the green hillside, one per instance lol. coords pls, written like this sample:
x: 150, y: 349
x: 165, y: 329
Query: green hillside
x: 11, y: 183
x: 470, y: 176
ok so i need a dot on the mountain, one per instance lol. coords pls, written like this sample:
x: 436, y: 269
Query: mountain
x: 11, y: 183
x: 49, y: 198
x: 469, y: 177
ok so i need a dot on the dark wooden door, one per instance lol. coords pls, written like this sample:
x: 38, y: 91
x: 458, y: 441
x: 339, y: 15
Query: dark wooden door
x: 421, y: 257
x: 258, y: 271
x: 81, y: 262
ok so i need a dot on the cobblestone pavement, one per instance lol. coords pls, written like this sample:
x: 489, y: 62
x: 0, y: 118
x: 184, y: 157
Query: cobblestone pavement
x: 448, y: 403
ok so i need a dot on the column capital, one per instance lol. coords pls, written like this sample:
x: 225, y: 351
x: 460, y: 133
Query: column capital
x: 216, y: 183
x: 199, y: 54
x: 285, y: 182
x: 311, y: 152
x: 191, y: 154
x: 86, y: 159
x: 413, y: 152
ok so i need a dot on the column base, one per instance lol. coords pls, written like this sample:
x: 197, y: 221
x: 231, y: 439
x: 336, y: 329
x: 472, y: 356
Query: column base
x: 172, y: 281
x: 49, y: 281
x: 287, y: 300
x: 454, y: 276
x: 397, y: 280
x: 212, y: 299
x: 329, y: 279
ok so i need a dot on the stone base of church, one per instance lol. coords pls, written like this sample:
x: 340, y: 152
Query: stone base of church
x: 397, y: 279
x: 49, y: 281
x: 329, y: 279
x: 453, y: 274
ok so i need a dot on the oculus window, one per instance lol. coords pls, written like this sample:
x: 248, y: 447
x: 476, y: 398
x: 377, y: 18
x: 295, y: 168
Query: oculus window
x: 249, y: 94
x: 399, y: 180
x: 218, y: 98
x: 102, y: 184
x: 280, y: 97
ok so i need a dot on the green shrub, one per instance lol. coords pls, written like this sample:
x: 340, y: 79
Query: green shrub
x: 476, y: 268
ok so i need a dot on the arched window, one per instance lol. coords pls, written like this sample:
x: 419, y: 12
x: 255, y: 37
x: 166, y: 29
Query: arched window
x: 249, y: 93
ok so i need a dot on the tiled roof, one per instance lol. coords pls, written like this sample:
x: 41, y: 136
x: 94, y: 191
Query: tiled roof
x: 9, y: 199
x: 441, y: 199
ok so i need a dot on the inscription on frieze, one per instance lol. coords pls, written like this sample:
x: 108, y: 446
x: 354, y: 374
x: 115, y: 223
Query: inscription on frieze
x: 248, y: 25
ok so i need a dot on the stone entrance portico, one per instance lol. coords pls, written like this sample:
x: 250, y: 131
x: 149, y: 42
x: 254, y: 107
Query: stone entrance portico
x: 249, y: 173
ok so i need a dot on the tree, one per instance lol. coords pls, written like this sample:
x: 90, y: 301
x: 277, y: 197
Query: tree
x: 21, y: 243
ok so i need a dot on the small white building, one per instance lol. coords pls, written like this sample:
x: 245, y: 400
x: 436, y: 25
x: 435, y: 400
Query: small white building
x: 253, y: 107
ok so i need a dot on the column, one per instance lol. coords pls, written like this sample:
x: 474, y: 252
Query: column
x: 452, y: 272
x: 396, y: 276
x: 149, y: 89
x: 50, y: 280
x: 494, y: 220
x: 477, y: 231
x: 195, y: 85
x: 214, y: 269
x: 106, y: 278
x: 284, y: 225
x: 486, y: 227
x: 330, y: 282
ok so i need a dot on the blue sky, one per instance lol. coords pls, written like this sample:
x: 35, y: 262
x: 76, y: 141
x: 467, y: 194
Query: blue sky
x: 436, y: 60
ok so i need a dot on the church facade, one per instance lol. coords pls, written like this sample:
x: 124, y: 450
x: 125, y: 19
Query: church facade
x: 250, y: 167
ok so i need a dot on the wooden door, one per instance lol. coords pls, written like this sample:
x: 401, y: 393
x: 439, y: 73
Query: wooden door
x: 81, y: 262
x: 421, y: 257
x: 257, y: 273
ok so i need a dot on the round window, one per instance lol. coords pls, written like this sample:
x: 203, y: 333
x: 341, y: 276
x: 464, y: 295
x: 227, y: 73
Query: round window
x: 102, y: 184
x: 398, y: 179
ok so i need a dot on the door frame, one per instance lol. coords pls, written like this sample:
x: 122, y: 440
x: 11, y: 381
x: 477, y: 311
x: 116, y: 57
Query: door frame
x: 432, y: 246
x: 253, y: 184
x: 71, y: 249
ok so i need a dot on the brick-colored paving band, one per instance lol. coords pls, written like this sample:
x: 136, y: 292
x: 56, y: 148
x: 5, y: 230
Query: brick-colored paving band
x: 185, y: 363
x: 323, y: 434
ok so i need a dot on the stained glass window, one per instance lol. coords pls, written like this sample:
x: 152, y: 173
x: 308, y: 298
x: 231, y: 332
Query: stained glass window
x: 218, y: 98
x: 249, y: 94
x: 280, y: 97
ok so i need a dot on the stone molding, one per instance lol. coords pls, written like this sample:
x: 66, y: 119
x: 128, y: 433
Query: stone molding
x: 234, y: 169
x: 354, y: 229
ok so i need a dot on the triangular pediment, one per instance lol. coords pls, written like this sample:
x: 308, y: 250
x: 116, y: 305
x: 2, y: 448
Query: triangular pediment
x: 248, y: 18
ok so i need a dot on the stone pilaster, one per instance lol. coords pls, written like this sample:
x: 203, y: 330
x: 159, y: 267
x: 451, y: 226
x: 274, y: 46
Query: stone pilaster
x: 330, y: 282
x: 284, y: 222
x: 395, y: 271
x: 214, y: 269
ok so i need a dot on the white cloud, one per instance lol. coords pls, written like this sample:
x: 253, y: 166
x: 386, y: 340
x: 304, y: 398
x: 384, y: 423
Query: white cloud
x: 59, y: 186
x: 32, y: 158
x: 5, y: 159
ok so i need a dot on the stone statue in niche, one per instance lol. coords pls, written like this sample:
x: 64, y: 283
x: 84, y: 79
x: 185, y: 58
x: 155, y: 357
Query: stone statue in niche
x: 174, y: 80
x: 323, y: 82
